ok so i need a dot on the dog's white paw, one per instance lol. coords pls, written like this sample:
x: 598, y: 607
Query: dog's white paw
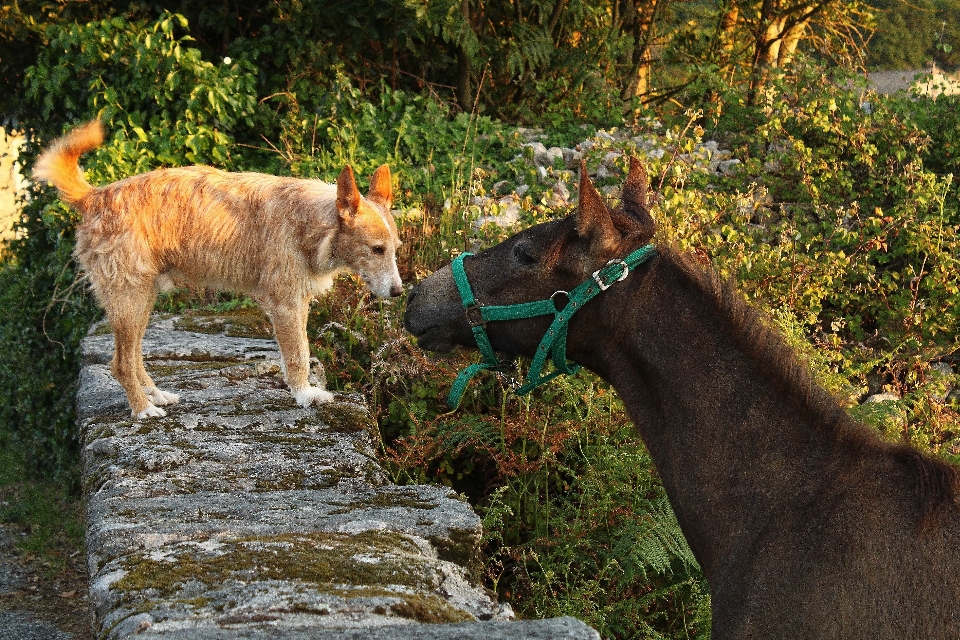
x: 312, y: 395
x: 151, y: 412
x: 162, y: 397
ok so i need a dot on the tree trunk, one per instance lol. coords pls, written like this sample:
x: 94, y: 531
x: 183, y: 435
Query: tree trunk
x: 788, y: 47
x: 464, y: 90
x: 777, y: 34
x: 728, y: 25
x: 638, y: 22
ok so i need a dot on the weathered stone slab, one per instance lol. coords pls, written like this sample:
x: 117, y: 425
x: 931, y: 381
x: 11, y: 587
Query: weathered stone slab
x: 554, y: 629
x: 243, y: 515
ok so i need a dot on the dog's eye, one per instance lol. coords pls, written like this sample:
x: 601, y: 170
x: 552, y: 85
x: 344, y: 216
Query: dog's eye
x: 523, y: 254
x: 380, y: 250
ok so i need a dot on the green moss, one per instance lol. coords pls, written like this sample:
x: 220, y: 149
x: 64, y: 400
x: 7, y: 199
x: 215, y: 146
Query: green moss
x: 386, y: 500
x: 246, y: 618
x: 93, y: 481
x: 165, y: 370
x: 272, y: 404
x: 343, y: 418
x: 293, y: 440
x: 246, y: 322
x: 169, y: 423
x: 285, y: 404
x: 102, y: 329
x: 304, y: 608
x: 208, y: 427
x: 96, y: 430
x: 195, y: 603
x: 322, y: 559
x: 429, y: 609
x: 461, y: 548
x: 240, y: 410
x: 186, y: 445
x: 285, y: 482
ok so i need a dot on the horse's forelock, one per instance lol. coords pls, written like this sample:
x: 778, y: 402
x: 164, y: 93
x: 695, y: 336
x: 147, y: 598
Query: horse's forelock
x: 632, y: 236
x: 567, y: 234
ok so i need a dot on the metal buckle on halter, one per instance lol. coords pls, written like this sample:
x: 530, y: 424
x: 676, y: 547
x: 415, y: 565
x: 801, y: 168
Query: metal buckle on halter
x: 623, y: 276
x: 478, y: 321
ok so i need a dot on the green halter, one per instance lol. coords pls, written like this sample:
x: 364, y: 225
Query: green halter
x: 554, y: 342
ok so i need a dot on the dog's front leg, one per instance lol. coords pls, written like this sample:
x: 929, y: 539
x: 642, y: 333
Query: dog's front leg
x: 290, y: 326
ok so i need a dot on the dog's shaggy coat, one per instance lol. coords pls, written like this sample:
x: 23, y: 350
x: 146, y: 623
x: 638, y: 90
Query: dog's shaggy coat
x: 279, y: 240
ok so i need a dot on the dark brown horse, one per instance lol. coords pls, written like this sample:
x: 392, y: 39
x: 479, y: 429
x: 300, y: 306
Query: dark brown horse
x: 806, y: 524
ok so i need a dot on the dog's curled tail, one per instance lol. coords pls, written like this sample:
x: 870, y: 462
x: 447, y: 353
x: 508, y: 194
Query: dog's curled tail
x: 59, y: 162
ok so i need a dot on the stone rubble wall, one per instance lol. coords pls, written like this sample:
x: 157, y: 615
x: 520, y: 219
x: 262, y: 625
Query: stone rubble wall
x: 12, y: 182
x: 243, y: 515
x: 931, y: 82
x: 559, y: 167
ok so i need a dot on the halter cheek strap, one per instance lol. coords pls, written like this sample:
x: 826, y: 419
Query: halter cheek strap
x: 554, y: 342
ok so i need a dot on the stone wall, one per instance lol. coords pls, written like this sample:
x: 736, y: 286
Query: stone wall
x: 929, y: 82
x: 11, y: 181
x: 243, y: 515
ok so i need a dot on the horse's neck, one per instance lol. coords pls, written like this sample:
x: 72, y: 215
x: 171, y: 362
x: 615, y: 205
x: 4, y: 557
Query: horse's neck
x: 729, y: 439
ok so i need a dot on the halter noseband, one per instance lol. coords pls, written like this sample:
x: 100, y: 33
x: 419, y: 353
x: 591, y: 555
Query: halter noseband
x: 554, y: 342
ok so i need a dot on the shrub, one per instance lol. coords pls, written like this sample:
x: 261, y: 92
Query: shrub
x: 43, y: 316
x: 137, y: 77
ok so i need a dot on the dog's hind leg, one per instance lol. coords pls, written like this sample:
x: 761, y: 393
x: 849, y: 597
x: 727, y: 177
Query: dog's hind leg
x: 128, y: 310
x: 157, y: 396
x: 290, y: 326
x: 128, y: 313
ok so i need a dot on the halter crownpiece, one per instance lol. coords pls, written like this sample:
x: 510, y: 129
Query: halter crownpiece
x: 554, y: 342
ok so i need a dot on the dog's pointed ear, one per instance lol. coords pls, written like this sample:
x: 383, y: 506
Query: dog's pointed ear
x: 381, y: 188
x: 348, y: 196
x: 593, y: 217
x: 637, y: 198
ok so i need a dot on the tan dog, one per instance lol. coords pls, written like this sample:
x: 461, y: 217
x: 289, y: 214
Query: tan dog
x: 279, y: 240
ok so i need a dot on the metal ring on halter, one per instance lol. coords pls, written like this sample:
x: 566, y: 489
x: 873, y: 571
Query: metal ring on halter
x: 557, y: 293
x: 478, y: 320
x: 623, y: 276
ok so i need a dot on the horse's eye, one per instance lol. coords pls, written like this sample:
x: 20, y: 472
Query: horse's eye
x: 380, y: 250
x: 523, y: 254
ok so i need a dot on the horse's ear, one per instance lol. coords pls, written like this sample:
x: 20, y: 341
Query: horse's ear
x: 593, y: 217
x: 381, y: 189
x: 348, y: 196
x: 637, y: 198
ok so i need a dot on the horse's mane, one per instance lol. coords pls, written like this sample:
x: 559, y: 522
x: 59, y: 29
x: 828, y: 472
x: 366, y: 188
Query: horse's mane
x: 936, y: 481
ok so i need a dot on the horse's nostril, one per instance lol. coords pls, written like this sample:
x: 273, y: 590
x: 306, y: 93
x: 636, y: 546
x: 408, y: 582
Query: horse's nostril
x: 396, y: 290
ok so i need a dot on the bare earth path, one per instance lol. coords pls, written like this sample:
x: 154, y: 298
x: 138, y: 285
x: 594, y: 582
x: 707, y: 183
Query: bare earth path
x: 35, y: 605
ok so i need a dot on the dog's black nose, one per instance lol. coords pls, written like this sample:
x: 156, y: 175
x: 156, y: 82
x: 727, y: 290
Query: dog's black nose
x: 396, y: 290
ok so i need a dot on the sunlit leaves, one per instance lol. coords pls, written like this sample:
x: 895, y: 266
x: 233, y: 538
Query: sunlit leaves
x: 161, y: 102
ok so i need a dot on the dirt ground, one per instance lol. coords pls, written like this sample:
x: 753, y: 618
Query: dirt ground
x: 37, y: 602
